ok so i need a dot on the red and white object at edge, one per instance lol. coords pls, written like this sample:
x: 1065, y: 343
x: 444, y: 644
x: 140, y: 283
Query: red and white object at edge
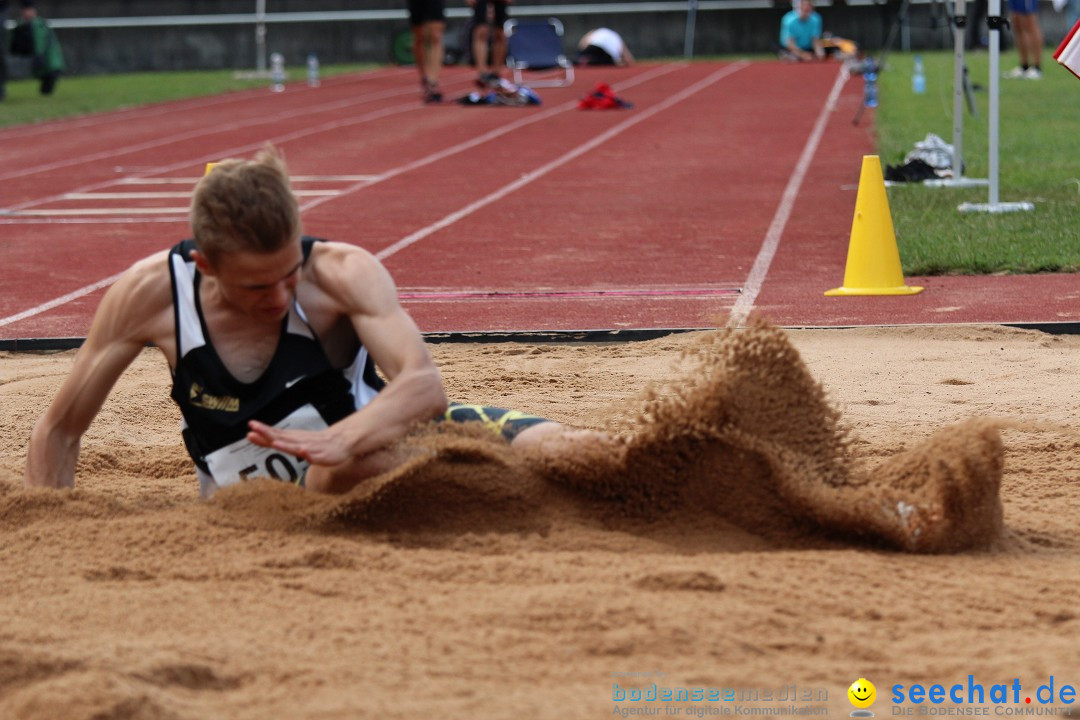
x: 1068, y: 52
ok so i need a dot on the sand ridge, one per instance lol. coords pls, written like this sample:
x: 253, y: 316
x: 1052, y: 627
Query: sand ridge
x: 469, y: 577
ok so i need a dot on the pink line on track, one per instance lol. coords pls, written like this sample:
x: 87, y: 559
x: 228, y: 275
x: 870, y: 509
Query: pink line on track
x: 565, y: 294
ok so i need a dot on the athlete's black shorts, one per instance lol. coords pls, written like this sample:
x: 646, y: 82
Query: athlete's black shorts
x: 425, y: 11
x: 480, y: 13
x: 505, y: 423
x: 593, y: 55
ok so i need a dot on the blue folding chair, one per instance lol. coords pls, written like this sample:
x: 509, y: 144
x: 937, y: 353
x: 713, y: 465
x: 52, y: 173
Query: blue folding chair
x: 537, y: 45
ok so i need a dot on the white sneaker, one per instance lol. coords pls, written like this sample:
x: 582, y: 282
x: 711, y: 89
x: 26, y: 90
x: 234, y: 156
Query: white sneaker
x: 1033, y: 73
x: 1016, y: 72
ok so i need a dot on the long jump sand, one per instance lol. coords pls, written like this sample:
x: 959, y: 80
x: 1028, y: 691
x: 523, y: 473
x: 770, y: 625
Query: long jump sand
x: 743, y: 542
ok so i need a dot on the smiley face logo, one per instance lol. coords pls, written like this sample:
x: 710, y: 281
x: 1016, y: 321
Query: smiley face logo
x: 862, y: 693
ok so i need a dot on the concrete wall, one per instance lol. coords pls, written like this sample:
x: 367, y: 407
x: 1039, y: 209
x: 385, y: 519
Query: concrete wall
x: 92, y: 50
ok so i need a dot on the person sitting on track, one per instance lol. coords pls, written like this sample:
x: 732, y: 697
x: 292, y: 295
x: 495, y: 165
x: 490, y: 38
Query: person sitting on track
x: 800, y: 34
x: 272, y: 339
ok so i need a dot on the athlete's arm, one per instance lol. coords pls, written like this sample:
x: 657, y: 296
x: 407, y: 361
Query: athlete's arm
x: 364, y: 291
x: 124, y: 322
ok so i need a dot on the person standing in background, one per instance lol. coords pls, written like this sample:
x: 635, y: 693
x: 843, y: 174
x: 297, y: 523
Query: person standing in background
x: 1024, y: 17
x: 428, y: 20
x: 34, y: 38
x: 489, y: 19
x: 3, y: 49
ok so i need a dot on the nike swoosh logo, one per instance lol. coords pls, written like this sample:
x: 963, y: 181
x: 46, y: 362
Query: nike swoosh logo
x: 292, y: 382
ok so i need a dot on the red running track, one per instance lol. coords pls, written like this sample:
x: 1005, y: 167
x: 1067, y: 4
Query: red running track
x: 727, y: 189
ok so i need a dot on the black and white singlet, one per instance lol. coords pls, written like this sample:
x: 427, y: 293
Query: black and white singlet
x: 299, y: 389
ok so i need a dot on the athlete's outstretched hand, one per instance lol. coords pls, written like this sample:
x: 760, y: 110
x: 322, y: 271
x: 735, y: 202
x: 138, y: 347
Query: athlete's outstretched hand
x: 318, y: 447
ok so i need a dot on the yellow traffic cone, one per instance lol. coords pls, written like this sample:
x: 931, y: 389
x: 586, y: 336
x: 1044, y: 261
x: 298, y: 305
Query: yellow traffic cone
x: 209, y: 167
x: 873, y: 262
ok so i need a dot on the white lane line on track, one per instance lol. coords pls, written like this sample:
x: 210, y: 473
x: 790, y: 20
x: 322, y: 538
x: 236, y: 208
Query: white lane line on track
x: 756, y: 279
x: 375, y: 115
x: 62, y: 300
x: 141, y: 113
x: 210, y: 130
x: 292, y: 179
x: 486, y: 137
x: 209, y: 157
x: 180, y: 212
x: 167, y: 195
x: 559, y: 161
x: 644, y: 77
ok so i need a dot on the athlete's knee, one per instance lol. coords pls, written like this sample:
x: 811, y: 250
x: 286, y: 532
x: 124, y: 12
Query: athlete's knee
x: 342, y: 478
x: 534, y: 436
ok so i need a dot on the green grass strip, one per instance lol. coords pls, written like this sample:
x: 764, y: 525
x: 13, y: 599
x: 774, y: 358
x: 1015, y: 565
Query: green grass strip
x: 84, y: 95
x: 1039, y: 159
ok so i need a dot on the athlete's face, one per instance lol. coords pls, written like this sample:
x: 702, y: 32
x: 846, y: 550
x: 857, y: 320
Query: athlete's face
x: 260, y: 285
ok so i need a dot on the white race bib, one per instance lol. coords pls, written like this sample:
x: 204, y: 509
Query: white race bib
x: 244, y: 461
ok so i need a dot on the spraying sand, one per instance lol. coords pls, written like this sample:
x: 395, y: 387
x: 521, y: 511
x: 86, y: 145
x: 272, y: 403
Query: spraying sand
x: 743, y: 533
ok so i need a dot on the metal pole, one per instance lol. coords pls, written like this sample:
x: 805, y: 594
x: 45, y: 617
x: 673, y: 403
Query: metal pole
x: 994, y: 21
x: 260, y: 36
x: 959, y: 20
x: 994, y: 11
x: 691, y: 22
x: 959, y: 96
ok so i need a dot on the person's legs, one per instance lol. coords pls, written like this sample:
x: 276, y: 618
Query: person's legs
x: 481, y: 35
x: 1024, y: 19
x: 498, y: 50
x: 48, y: 82
x: 433, y: 59
x: 418, y: 53
x: 1033, y: 38
x: 428, y: 52
x: 498, y: 37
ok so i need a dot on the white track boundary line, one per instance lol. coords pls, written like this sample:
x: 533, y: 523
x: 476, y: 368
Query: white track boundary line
x: 559, y: 161
x: 81, y: 292
x: 216, y: 129
x: 62, y: 300
x: 374, y: 115
x: 325, y: 127
x: 126, y: 115
x: 756, y: 279
x: 486, y: 137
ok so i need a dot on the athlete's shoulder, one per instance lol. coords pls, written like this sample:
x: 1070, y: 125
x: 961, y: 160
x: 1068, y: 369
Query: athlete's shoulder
x: 329, y: 250
x: 350, y: 275
x: 340, y: 262
x: 148, y: 278
x: 140, y: 299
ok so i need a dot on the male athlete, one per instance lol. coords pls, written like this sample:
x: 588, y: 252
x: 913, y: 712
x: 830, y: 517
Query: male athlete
x: 272, y: 340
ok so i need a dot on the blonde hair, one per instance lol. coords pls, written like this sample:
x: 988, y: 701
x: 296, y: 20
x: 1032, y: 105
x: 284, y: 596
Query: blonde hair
x: 245, y: 206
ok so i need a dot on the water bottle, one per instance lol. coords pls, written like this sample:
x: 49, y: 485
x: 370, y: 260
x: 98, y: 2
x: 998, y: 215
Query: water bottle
x: 870, y: 78
x: 918, y: 77
x: 277, y: 72
x: 312, y: 70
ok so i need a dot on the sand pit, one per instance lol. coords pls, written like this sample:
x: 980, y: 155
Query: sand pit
x: 756, y: 551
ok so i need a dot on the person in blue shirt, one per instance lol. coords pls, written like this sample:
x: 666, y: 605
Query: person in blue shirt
x: 800, y: 34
